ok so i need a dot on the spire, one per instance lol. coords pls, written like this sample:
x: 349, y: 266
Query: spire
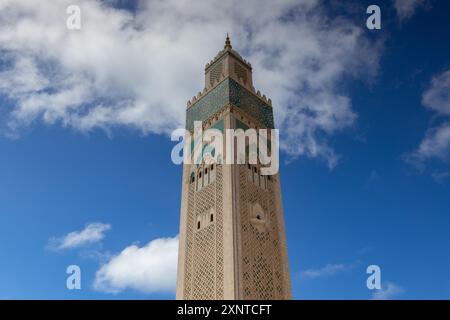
x: 227, y: 42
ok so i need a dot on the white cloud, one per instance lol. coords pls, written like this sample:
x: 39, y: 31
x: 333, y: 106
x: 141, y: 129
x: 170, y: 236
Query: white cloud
x: 436, y: 143
x: 328, y: 270
x: 407, y: 8
x: 388, y: 291
x: 138, y: 70
x: 92, y: 233
x: 151, y: 268
x: 437, y: 97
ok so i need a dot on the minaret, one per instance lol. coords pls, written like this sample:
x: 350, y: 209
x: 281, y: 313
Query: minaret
x: 232, y: 235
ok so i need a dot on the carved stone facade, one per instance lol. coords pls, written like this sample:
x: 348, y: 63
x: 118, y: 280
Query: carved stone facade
x: 232, y: 235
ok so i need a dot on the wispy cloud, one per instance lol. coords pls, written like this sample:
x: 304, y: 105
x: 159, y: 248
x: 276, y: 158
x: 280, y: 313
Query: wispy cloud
x: 388, y: 291
x: 138, y: 69
x: 328, y: 270
x: 151, y: 268
x: 374, y: 176
x: 440, y: 176
x: 436, y: 143
x: 407, y: 8
x: 93, y: 232
x: 437, y: 97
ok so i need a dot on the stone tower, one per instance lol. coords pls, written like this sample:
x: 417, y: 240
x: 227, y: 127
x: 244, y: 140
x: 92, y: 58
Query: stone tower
x: 232, y: 235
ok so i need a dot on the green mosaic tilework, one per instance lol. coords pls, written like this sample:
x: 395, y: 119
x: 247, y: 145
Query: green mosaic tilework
x: 250, y: 104
x: 219, y: 125
x: 208, y: 105
x: 243, y: 126
x: 229, y: 91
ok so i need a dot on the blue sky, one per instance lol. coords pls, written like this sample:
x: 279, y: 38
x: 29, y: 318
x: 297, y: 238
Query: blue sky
x: 374, y: 191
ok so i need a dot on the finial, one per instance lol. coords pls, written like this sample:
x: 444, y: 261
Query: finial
x: 227, y: 42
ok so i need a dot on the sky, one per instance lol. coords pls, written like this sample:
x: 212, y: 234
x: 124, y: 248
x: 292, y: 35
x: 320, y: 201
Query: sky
x: 86, y: 176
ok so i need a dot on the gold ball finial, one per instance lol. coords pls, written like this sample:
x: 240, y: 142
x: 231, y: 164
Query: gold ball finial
x: 227, y: 42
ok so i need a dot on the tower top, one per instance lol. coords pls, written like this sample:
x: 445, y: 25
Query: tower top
x: 228, y: 64
x: 226, y: 51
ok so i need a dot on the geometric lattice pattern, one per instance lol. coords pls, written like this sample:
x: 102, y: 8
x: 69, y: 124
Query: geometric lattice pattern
x: 216, y: 72
x: 204, y: 246
x: 240, y: 72
x: 260, y: 250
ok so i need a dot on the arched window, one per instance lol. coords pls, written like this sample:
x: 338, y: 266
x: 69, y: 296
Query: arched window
x: 258, y: 218
x: 212, y: 167
x: 206, y: 171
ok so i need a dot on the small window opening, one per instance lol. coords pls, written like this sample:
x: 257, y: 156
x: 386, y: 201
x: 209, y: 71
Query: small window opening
x: 211, y: 219
x: 257, y: 217
x: 198, y: 225
x: 212, y: 167
x: 206, y: 171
